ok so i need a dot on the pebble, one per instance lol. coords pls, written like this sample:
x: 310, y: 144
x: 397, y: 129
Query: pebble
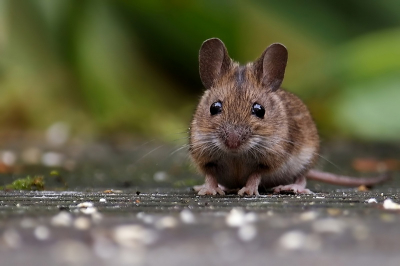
x: 62, y: 219
x: 86, y: 204
x: 187, y: 216
x: 87, y: 208
x: 389, y: 204
x: 235, y: 218
x: 102, y: 200
x: 41, y: 232
x: 372, y: 200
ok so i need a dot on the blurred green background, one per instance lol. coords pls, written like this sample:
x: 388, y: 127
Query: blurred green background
x: 130, y: 67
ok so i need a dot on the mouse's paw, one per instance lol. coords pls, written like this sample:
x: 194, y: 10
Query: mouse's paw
x: 206, y: 190
x: 210, y: 191
x: 249, y: 190
x: 296, y: 188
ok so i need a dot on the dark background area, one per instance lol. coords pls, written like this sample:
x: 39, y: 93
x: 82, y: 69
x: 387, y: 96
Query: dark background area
x: 130, y: 67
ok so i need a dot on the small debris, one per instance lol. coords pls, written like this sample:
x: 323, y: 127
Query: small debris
x: 133, y: 235
x: 187, y: 216
x: 308, y: 216
x: 86, y: 204
x: 87, y: 208
x: 166, y: 222
x: 372, y: 200
x: 82, y: 223
x: 334, y: 211
x: 389, y: 204
x: 292, y: 240
x: 112, y: 191
x: 363, y: 188
x: 62, y: 219
x: 235, y: 218
x: 247, y: 232
x: 41, y: 232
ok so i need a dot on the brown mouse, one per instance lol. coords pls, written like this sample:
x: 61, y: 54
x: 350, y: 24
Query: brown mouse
x: 248, y: 133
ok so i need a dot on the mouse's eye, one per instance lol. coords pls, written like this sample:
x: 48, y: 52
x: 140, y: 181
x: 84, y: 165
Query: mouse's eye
x: 216, y: 108
x: 258, y: 110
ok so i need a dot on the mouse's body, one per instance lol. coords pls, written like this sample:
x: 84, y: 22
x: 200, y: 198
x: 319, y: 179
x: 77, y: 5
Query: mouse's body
x: 248, y: 133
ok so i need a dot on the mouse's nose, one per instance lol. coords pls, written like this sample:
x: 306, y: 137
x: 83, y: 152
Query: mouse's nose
x: 234, y: 136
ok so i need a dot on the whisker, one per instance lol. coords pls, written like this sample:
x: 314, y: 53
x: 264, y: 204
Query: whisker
x: 183, y: 147
x: 153, y: 150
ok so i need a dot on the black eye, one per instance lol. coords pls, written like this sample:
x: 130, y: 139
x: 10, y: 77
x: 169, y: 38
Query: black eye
x: 216, y: 108
x: 258, y: 110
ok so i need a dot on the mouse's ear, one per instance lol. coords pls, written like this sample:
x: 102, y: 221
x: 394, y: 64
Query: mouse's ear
x: 214, y: 61
x: 270, y: 67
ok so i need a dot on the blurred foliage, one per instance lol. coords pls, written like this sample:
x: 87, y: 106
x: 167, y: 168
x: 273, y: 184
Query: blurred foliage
x: 27, y: 183
x: 107, y: 67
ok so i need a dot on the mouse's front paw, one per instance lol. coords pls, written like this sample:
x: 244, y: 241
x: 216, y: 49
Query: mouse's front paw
x: 249, y: 190
x: 210, y: 191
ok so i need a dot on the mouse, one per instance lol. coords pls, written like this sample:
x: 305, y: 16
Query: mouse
x: 249, y: 134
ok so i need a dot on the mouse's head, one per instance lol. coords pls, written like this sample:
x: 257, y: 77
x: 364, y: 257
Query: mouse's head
x: 240, y: 108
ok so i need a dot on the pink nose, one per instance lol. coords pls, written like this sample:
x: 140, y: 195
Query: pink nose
x: 232, y: 140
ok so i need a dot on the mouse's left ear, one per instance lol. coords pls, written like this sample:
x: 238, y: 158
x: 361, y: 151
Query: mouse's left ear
x: 270, y: 67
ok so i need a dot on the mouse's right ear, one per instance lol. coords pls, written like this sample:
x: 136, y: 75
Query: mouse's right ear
x: 214, y: 61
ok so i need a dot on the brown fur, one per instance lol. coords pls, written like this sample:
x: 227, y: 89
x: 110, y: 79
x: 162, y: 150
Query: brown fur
x: 286, y: 128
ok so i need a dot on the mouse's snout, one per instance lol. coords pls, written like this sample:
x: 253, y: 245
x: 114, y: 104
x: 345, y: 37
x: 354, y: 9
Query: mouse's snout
x: 234, y: 136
